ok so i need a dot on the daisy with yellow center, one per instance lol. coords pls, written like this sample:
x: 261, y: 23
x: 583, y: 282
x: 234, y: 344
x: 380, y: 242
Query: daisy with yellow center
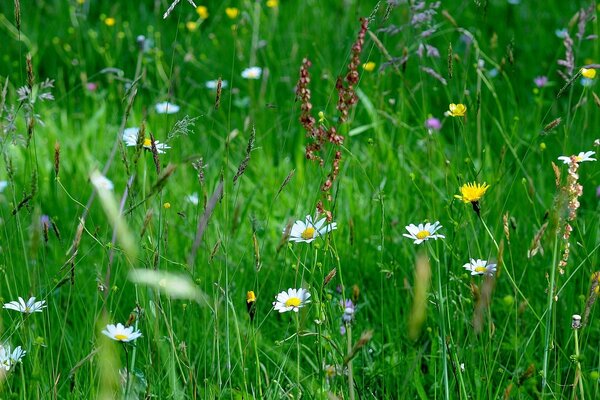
x: 121, y: 333
x: 480, y: 267
x: 306, y: 231
x: 252, y: 73
x: 130, y: 137
x: 28, y: 307
x: 589, y: 73
x: 581, y: 157
x: 472, y: 192
x: 457, y: 110
x: 423, y: 232
x: 292, y: 300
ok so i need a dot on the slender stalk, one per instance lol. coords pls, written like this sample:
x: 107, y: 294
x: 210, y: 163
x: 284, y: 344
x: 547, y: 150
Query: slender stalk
x: 549, y: 311
x: 442, y: 313
x: 578, y: 377
x: 350, y: 373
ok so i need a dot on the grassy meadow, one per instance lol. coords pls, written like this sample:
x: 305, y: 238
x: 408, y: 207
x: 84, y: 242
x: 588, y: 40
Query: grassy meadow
x: 151, y: 177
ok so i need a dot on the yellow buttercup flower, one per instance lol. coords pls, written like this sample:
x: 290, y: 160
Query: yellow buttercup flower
x: 472, y: 192
x: 191, y: 26
x: 369, y: 66
x: 110, y: 21
x: 589, y: 73
x: 457, y: 110
x: 232, y: 12
x: 250, y: 297
x: 272, y: 3
x: 202, y: 12
x: 167, y: 205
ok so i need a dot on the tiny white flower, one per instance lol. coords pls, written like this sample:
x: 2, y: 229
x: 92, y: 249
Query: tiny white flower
x: 130, y: 137
x: 422, y: 232
x: 192, y: 198
x: 101, y: 182
x: 121, y: 333
x: 307, y: 231
x: 212, y: 85
x: 480, y: 267
x: 581, y: 157
x: 28, y: 307
x: 252, y: 73
x: 292, y: 300
x: 166, y: 108
x: 8, y: 359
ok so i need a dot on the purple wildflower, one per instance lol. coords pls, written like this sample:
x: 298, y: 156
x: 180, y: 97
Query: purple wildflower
x: 433, y: 124
x: 540, y: 81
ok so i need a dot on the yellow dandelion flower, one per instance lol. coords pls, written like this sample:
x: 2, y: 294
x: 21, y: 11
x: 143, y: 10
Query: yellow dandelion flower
x: 457, y: 110
x: 191, y: 26
x: 369, y: 66
x: 589, y: 73
x: 472, y: 192
x: 272, y: 3
x: 202, y: 12
x: 110, y: 21
x: 232, y: 12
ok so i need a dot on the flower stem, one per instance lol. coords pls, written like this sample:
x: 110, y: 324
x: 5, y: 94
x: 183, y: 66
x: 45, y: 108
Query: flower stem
x: 350, y: 372
x: 578, y: 377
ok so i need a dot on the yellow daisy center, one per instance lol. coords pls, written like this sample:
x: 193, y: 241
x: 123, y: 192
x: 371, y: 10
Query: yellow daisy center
x: 308, y: 233
x: 480, y: 269
x: 293, y: 302
x: 147, y: 142
x: 423, y: 234
x: 120, y: 336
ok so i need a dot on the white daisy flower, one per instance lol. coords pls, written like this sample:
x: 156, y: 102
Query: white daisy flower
x: 26, y: 308
x: 8, y: 359
x: 480, y: 267
x: 307, y: 231
x: 3, y: 185
x: 166, y: 108
x: 422, y: 232
x: 581, y: 157
x: 130, y: 137
x: 121, y: 333
x: 101, y: 182
x: 212, y: 85
x: 252, y: 73
x: 292, y: 300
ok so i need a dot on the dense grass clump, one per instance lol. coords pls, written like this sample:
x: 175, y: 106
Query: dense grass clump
x: 280, y: 199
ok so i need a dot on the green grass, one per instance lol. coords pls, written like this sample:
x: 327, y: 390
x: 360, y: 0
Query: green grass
x: 393, y: 173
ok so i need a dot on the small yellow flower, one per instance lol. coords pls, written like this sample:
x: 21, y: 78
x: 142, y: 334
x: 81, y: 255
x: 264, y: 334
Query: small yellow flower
x: 369, y: 66
x: 202, y: 12
x: 110, y: 21
x: 589, y: 73
x: 457, y: 110
x: 80, y: 1
x: 472, y: 192
x: 321, y: 117
x: 272, y: 3
x: 191, y: 26
x: 167, y: 205
x: 232, y: 12
x: 250, y: 297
